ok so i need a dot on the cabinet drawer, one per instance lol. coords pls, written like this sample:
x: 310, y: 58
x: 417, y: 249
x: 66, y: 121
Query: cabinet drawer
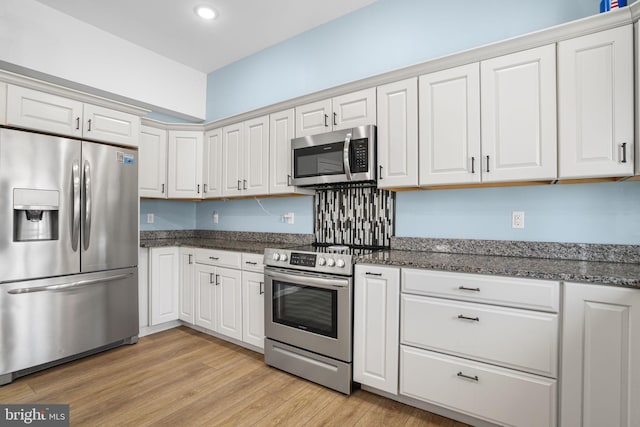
x: 520, y: 339
x: 541, y: 295
x: 494, y: 394
x: 253, y: 262
x: 218, y: 258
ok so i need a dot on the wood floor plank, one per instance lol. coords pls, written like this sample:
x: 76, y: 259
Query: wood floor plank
x: 182, y: 377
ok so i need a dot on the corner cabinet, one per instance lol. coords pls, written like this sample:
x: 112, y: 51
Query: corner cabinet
x: 376, y: 318
x: 600, y: 352
x: 518, y: 110
x: 164, y: 280
x: 184, y: 168
x: 398, y: 134
x: 152, y: 162
x: 595, y: 104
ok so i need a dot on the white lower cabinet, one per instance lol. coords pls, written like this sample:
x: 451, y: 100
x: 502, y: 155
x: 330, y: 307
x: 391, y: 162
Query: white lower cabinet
x: 253, y: 308
x: 218, y: 296
x: 143, y: 287
x: 164, y: 280
x: 494, y: 394
x: 375, y: 327
x: 205, y: 297
x: 600, y: 353
x: 187, y: 285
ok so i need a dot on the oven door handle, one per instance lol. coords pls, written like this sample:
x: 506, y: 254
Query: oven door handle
x: 318, y: 282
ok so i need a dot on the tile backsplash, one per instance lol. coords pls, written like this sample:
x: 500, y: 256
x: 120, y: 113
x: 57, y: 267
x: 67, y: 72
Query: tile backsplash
x: 354, y: 216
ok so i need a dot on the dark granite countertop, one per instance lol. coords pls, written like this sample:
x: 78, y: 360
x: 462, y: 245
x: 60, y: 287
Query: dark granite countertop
x: 254, y: 247
x: 605, y: 273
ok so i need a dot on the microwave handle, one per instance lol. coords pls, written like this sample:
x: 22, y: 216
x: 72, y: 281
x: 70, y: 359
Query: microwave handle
x: 345, y: 155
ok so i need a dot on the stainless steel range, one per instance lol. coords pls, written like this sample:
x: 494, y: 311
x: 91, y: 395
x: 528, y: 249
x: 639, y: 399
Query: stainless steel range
x: 309, y: 313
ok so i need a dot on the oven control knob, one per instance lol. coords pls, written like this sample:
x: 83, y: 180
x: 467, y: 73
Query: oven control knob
x: 276, y: 256
x: 322, y: 261
x: 340, y: 263
x: 283, y: 257
x: 331, y: 262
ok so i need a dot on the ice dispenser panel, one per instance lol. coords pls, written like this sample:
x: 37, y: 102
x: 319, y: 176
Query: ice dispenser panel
x: 35, y: 214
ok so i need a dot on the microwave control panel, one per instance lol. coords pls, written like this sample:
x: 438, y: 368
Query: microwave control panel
x: 359, y: 155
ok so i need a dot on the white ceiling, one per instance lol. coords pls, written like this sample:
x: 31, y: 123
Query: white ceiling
x: 172, y: 29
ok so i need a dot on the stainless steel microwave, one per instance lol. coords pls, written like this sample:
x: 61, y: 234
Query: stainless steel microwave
x: 343, y: 156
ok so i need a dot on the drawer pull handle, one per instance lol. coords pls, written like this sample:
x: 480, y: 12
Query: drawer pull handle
x: 215, y: 258
x: 469, y: 377
x: 475, y: 319
x: 464, y: 288
x: 372, y: 274
x: 251, y: 263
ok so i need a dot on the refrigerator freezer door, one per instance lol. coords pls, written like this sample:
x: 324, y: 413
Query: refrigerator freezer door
x: 37, y: 203
x: 49, y: 319
x: 109, y: 215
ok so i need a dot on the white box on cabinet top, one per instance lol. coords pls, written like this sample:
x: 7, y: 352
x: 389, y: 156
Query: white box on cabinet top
x: 36, y: 110
x: 398, y: 134
x: 342, y: 112
x: 152, y: 162
x: 595, y: 104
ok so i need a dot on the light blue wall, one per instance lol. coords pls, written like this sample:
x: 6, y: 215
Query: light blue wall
x: 169, y: 215
x: 264, y: 215
x: 386, y: 35
x: 585, y: 213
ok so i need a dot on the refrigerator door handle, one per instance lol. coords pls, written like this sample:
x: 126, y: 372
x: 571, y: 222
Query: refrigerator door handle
x: 64, y: 286
x: 86, y: 230
x: 75, y: 230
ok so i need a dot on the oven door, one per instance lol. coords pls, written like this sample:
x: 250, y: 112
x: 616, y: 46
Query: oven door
x: 309, y: 311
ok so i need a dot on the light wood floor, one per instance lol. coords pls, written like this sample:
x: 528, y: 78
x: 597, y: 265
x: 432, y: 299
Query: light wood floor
x: 181, y: 377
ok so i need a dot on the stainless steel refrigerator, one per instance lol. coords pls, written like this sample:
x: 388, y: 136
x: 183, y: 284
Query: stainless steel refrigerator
x: 68, y: 249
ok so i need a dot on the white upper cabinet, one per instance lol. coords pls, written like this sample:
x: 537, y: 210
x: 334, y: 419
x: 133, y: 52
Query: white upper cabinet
x: 36, y: 110
x: 281, y: 131
x: 255, y: 180
x: 152, y: 162
x: 637, y: 117
x: 342, y: 112
x: 32, y: 109
x: 245, y: 154
x: 212, y: 164
x: 3, y: 103
x: 398, y: 134
x: 595, y: 101
x: 518, y: 110
x: 104, y: 124
x: 185, y: 164
x: 450, y: 126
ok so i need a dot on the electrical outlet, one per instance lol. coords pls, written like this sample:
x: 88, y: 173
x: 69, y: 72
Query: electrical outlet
x: 289, y: 218
x: 215, y: 217
x: 150, y: 218
x: 517, y: 219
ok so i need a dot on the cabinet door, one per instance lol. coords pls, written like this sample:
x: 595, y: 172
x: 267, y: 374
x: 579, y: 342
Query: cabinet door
x: 313, y: 118
x: 31, y: 109
x: 104, y: 124
x: 212, y: 166
x: 595, y: 101
x: 229, y: 302
x: 255, y: 180
x: 187, y: 285
x: 281, y: 130
x: 600, y: 353
x: 205, y: 302
x: 253, y: 308
x: 143, y: 287
x: 185, y: 164
x: 3, y: 103
x: 518, y: 109
x: 376, y: 317
x: 354, y: 109
x: 232, y: 159
x: 450, y: 126
x: 398, y: 134
x: 152, y: 166
x: 164, y: 284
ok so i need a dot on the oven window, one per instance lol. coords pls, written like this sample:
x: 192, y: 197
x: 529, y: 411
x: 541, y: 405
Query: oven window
x: 306, y: 307
x: 319, y: 160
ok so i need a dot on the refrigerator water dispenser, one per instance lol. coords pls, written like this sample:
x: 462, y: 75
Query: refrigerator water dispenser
x: 35, y: 214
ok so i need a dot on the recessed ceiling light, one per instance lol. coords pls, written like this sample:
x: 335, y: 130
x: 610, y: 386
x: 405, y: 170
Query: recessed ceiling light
x: 205, y: 12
